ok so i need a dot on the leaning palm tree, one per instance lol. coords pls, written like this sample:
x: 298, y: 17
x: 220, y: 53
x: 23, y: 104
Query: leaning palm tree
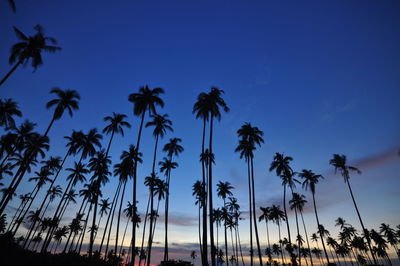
x: 30, y: 47
x: 115, y: 126
x: 8, y: 109
x: 339, y: 162
x: 66, y: 100
x: 310, y: 181
x: 145, y: 100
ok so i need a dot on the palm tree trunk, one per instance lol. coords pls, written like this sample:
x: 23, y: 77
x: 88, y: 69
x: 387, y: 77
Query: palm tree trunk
x: 320, y: 233
x: 166, y: 217
x: 50, y: 125
x: 201, y: 250
x: 26, y: 211
x: 109, y: 143
x: 119, y: 217
x: 286, y: 217
x: 298, y: 236
x: 144, y: 231
x: 84, y: 230
x: 134, y: 192
x: 16, y: 214
x: 10, y: 72
x: 226, y: 239
x: 280, y: 243
x: 94, y: 218
x: 254, y: 213
x: 204, y: 258
x: 109, y: 216
x: 213, y: 257
x: 250, y: 212
x: 240, y: 245
x: 112, y: 212
x: 305, y: 231
x: 24, y: 207
x: 361, y: 221
x: 148, y: 258
x: 12, y: 187
x: 123, y: 236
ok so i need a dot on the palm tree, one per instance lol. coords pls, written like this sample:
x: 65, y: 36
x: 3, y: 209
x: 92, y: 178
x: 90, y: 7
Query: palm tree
x: 30, y: 47
x: 145, y: 100
x: 8, y: 109
x: 66, y: 100
x: 116, y: 126
x: 277, y: 215
x: 208, y: 107
x: 59, y: 234
x: 281, y: 165
x: 35, y: 147
x: 223, y: 191
x: 250, y: 136
x: 390, y: 235
x: 266, y: 217
x: 99, y: 166
x: 298, y: 202
x: 104, y: 208
x: 125, y: 171
x: 199, y: 193
x: 310, y: 181
x: 340, y: 163
x: 193, y: 255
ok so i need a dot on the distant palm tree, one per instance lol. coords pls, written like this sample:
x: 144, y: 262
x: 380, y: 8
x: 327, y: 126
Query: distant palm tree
x: 116, y: 126
x: 277, y: 216
x: 281, y: 165
x: 266, y: 217
x: 66, y: 100
x: 59, y: 234
x: 30, y: 47
x: 310, y: 181
x: 339, y: 162
x: 193, y: 255
x: 8, y: 109
x: 145, y: 100
x: 199, y: 193
x: 298, y: 202
x: 391, y: 238
x: 223, y: 191
x: 99, y: 167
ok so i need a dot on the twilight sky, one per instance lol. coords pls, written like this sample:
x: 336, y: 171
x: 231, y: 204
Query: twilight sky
x: 317, y: 77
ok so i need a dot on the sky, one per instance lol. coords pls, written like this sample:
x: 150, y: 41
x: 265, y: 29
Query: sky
x: 317, y: 77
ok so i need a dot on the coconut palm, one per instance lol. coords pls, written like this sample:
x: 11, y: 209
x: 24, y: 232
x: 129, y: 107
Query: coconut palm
x: 277, y: 215
x: 59, y: 234
x: 30, y: 47
x: 35, y: 147
x: 390, y: 235
x: 99, y: 167
x: 310, y: 180
x: 66, y: 100
x: 199, y: 193
x: 115, y: 126
x: 298, y: 201
x: 145, y: 100
x: 266, y: 217
x: 8, y: 109
x: 223, y: 191
x: 339, y: 162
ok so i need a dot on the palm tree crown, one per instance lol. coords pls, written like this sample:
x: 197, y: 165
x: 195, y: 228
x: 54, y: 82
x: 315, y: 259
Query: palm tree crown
x: 8, y: 109
x: 146, y: 99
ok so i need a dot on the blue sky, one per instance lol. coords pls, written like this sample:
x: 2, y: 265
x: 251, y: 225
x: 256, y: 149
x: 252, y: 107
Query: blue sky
x: 317, y: 77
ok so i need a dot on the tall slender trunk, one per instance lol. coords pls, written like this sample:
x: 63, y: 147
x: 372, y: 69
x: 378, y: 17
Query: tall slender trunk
x: 109, y: 143
x: 134, y: 192
x: 286, y: 217
x: 280, y: 243
x: 254, y: 213
x: 320, y: 233
x: 240, y: 245
x: 26, y: 210
x: 204, y: 258
x: 201, y: 250
x: 113, y: 203
x: 148, y: 258
x: 166, y: 257
x: 16, y: 214
x: 84, y: 230
x: 361, y: 221
x: 144, y: 231
x: 210, y: 197
x: 112, y: 212
x: 10, y: 72
x: 226, y: 238
x: 47, y: 195
x: 119, y: 217
x: 250, y: 212
x: 123, y: 236
x: 94, y: 217
x: 11, y: 189
x: 50, y: 125
x: 305, y: 231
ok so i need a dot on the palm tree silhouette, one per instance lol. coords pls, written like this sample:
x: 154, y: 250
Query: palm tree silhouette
x: 199, y: 193
x: 390, y: 235
x: 66, y: 100
x: 145, y: 100
x: 99, y: 167
x: 277, y: 215
x: 266, y: 217
x: 310, y: 181
x: 30, y: 47
x: 223, y: 191
x: 298, y: 201
x: 8, y: 109
x: 340, y: 163
x: 116, y: 126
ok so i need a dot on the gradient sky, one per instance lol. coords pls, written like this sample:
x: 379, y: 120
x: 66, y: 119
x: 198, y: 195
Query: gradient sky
x: 318, y: 77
